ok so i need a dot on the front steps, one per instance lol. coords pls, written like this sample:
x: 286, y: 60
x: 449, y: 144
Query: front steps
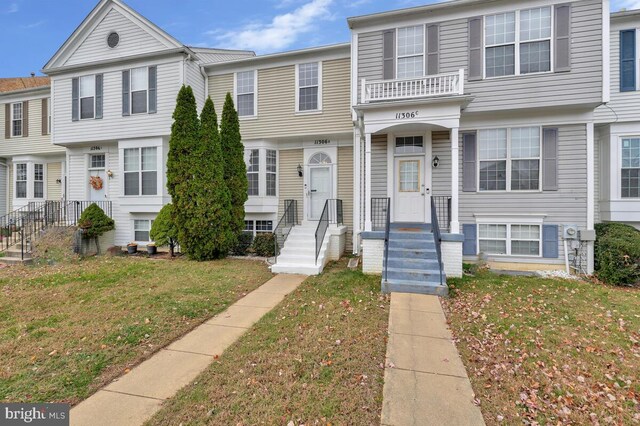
x: 13, y: 256
x: 298, y: 256
x: 413, y: 261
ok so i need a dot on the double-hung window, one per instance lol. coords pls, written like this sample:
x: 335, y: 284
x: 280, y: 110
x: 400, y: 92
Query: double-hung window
x: 141, y: 171
x: 253, y: 172
x: 509, y: 239
x: 21, y: 180
x: 142, y: 230
x: 309, y: 87
x: 518, y: 42
x: 139, y: 90
x: 38, y: 181
x: 246, y: 93
x: 17, y: 117
x: 271, y: 172
x: 509, y: 159
x: 411, y: 52
x: 630, y: 184
x: 87, y: 96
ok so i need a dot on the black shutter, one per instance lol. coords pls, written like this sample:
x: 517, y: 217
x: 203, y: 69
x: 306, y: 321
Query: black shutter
x: 7, y: 121
x: 389, y: 55
x: 550, y: 159
x: 99, y: 96
x: 153, y: 90
x: 563, y: 38
x: 25, y: 119
x: 45, y: 116
x: 469, y: 148
x: 75, y: 99
x: 475, y: 49
x: 627, y: 60
x: 126, y: 88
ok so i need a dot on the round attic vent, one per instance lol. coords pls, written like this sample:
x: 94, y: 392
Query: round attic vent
x: 113, y: 39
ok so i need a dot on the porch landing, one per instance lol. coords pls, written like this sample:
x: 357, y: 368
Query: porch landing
x: 413, y: 261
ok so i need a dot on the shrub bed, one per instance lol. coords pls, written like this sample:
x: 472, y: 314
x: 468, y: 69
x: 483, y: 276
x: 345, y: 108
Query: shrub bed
x: 264, y: 245
x: 245, y: 239
x: 617, y: 254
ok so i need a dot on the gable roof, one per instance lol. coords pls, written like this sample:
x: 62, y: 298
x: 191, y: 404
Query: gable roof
x: 94, y: 18
x: 22, y: 83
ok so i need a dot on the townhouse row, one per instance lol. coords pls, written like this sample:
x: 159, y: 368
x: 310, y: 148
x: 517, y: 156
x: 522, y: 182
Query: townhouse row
x: 514, y: 127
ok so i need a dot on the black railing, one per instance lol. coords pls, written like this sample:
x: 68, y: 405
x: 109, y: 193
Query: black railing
x: 443, y: 209
x: 288, y: 220
x: 387, y: 227
x: 332, y: 213
x: 437, y: 237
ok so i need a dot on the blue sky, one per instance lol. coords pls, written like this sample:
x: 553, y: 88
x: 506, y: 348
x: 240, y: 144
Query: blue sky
x: 32, y: 30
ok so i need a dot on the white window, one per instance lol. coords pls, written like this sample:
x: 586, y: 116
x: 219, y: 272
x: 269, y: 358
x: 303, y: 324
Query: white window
x: 511, y: 52
x: 246, y: 93
x: 630, y: 173
x: 272, y: 161
x: 21, y: 180
x: 410, y: 145
x: 142, y: 230
x: 38, y: 181
x: 253, y: 172
x: 139, y: 90
x: 410, y: 52
x: 16, y: 119
x: 254, y: 227
x: 509, y: 159
x: 248, y: 226
x: 98, y: 162
x: 87, y: 96
x: 309, y: 87
x: 509, y: 239
x: 141, y: 171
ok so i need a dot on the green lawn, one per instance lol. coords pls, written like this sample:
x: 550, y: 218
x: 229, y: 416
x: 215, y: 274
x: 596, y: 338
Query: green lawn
x: 549, y: 351
x: 317, y: 358
x: 66, y: 330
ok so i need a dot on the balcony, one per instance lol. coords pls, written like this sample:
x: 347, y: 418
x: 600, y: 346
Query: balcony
x: 431, y: 86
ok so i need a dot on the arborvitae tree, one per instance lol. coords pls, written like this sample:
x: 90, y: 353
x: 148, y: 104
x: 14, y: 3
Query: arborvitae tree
x: 235, y: 169
x: 163, y: 230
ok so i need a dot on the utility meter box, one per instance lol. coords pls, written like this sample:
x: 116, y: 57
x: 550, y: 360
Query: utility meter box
x: 570, y: 232
x: 587, y: 235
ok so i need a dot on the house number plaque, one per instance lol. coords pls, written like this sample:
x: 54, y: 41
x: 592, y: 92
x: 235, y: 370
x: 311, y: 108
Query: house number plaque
x: 405, y: 115
x: 322, y: 142
x: 96, y: 148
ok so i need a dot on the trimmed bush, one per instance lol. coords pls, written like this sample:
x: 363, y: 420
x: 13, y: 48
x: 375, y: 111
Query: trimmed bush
x: 163, y: 230
x: 95, y: 222
x: 245, y: 239
x: 264, y: 245
x: 617, y: 254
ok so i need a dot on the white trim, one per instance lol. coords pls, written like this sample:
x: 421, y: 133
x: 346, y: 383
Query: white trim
x: 297, y: 84
x: 354, y: 75
x: 367, y: 182
x: 357, y: 193
x: 591, y: 176
x: 308, y: 153
x: 508, y: 223
x: 11, y: 119
x: 606, y: 52
x: 455, y: 181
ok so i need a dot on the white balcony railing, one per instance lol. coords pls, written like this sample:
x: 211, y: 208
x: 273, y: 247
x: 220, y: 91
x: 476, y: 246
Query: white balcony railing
x: 450, y: 84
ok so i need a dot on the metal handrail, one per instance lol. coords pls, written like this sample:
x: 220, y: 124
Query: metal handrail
x: 331, y: 213
x: 288, y: 220
x: 437, y: 236
x: 387, y: 228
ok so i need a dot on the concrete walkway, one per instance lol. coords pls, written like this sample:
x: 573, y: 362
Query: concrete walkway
x: 135, y: 397
x: 425, y: 382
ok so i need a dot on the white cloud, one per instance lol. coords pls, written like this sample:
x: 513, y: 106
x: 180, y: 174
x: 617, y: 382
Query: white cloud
x: 280, y: 33
x: 13, y: 8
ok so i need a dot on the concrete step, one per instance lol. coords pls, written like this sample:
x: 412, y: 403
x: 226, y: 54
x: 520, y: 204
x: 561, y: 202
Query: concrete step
x: 293, y: 268
x: 16, y: 260
x: 422, y: 226
x: 413, y: 264
x: 400, y: 253
x: 399, y: 286
x: 411, y: 275
x: 396, y: 235
x: 412, y: 244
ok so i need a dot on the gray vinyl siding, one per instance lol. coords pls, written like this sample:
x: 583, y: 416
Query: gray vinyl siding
x: 345, y: 191
x: 195, y: 79
x: 133, y: 41
x: 568, y: 205
x: 379, y: 166
x: 583, y: 84
x: 441, y: 175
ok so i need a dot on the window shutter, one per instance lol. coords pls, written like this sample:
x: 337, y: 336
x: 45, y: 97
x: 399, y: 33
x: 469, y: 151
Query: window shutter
x: 153, y: 90
x: 627, y: 60
x: 433, y: 49
x: 45, y: 116
x: 469, y: 162
x: 475, y: 49
x: 563, y: 38
x: 469, y: 245
x: 550, y: 159
x: 126, y: 88
x: 7, y: 121
x: 75, y: 99
x: 550, y: 241
x: 389, y: 54
x: 25, y: 119
x: 99, y: 97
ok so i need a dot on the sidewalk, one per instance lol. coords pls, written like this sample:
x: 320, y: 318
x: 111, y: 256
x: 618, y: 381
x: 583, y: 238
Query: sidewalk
x: 425, y: 382
x: 135, y: 397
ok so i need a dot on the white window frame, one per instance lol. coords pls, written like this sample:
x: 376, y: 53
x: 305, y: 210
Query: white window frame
x: 620, y: 168
x: 42, y: 181
x: 517, y: 43
x: 509, y: 222
x: 146, y: 70
x: 13, y: 119
x: 133, y: 226
x: 423, y: 54
x: 255, y: 94
x: 25, y: 180
x: 140, y: 171
x: 298, y: 87
x: 80, y: 97
x: 254, y: 226
x: 509, y: 160
x: 269, y: 173
x: 249, y: 154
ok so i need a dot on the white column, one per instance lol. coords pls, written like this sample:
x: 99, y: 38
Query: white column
x: 591, y: 193
x: 357, y: 181
x: 455, y: 177
x: 367, y: 182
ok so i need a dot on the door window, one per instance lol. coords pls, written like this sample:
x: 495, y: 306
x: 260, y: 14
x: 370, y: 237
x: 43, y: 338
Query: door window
x: 409, y: 176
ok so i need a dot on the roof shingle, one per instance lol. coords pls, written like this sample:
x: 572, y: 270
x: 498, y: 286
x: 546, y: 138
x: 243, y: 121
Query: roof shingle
x: 21, y: 83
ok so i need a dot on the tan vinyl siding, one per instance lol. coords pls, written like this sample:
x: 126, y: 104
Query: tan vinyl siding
x: 35, y: 143
x: 11, y: 185
x: 133, y: 41
x: 4, y: 183
x: 276, y: 102
x: 291, y: 185
x: 346, y: 190
x: 379, y: 166
x: 54, y: 189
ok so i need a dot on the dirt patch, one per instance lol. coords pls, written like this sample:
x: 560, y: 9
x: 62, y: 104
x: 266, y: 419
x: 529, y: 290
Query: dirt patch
x: 55, y: 245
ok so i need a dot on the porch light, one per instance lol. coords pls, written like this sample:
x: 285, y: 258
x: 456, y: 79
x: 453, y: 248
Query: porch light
x: 299, y: 168
x: 436, y: 161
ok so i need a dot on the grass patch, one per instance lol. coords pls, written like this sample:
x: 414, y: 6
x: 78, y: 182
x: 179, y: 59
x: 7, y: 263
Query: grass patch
x: 67, y: 330
x: 549, y: 351
x: 317, y: 358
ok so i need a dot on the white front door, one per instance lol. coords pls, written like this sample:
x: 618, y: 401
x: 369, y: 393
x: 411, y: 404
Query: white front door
x: 97, y: 177
x: 409, y: 190
x: 319, y: 190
